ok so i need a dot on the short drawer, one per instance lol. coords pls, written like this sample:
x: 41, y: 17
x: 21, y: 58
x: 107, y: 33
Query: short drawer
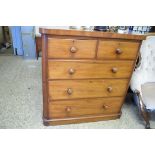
x: 70, y: 89
x: 117, y: 50
x: 71, y: 48
x: 84, y: 107
x: 89, y: 69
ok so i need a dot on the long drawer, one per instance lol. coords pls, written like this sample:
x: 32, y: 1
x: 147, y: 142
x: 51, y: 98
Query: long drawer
x: 117, y: 50
x: 84, y: 107
x: 71, y: 48
x: 70, y: 89
x: 62, y: 69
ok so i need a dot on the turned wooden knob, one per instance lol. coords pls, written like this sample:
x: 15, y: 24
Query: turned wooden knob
x: 68, y: 109
x: 69, y: 91
x: 114, y: 69
x: 105, y: 107
x: 73, y: 49
x: 109, y: 89
x: 71, y: 71
x: 119, y: 51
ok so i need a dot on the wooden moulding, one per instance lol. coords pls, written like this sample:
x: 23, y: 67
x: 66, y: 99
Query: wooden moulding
x: 44, y: 77
x: 111, y: 35
x: 93, y: 118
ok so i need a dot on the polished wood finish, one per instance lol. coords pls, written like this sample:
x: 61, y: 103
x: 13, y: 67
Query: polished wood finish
x: 94, y: 34
x: 84, y: 107
x: 71, y: 48
x: 44, y: 77
x: 86, y: 74
x: 61, y: 69
x: 117, y: 50
x: 81, y: 119
x: 70, y: 89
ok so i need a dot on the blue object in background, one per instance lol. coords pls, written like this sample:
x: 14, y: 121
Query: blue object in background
x: 24, y: 44
x: 17, y: 40
x: 29, y: 44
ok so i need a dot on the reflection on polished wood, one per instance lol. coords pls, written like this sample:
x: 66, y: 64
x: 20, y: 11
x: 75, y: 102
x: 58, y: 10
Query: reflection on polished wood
x: 85, y: 74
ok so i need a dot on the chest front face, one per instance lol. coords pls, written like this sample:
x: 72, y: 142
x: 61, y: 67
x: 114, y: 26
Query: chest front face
x: 85, y: 78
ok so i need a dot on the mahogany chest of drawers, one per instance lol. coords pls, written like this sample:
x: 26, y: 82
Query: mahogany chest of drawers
x: 85, y: 74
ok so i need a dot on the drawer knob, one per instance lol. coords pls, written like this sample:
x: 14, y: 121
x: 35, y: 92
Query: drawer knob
x: 119, y: 51
x: 71, y: 71
x: 114, y: 69
x: 69, y: 91
x: 68, y: 109
x: 109, y: 89
x: 105, y: 107
x: 73, y: 49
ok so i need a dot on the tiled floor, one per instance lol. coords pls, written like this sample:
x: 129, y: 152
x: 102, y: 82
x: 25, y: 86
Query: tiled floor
x: 21, y: 99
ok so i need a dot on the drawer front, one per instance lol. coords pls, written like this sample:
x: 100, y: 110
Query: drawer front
x: 71, y: 48
x: 70, y: 89
x: 117, y: 50
x: 89, y: 69
x: 83, y: 107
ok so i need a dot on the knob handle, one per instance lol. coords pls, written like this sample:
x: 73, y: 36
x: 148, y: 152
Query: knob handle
x: 71, y: 71
x: 114, y: 69
x: 105, y: 107
x: 109, y: 89
x: 69, y: 91
x: 68, y: 109
x: 73, y: 49
x: 119, y: 51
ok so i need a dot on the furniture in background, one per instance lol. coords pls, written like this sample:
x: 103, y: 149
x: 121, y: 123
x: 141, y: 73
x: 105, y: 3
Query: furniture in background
x: 38, y: 45
x: 85, y: 74
x: 17, y: 40
x: 23, y: 38
x: 28, y: 40
x: 6, y: 34
x: 143, y: 79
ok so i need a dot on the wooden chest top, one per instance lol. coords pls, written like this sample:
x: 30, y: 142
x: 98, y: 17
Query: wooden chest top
x: 94, y: 34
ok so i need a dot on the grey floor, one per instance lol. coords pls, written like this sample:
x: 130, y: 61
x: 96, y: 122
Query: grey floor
x: 21, y: 99
x: 6, y: 52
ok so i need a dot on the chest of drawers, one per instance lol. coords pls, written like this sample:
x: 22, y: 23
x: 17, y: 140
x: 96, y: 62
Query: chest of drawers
x: 85, y: 74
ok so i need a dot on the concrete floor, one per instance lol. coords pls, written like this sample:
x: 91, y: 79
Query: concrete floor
x: 21, y: 99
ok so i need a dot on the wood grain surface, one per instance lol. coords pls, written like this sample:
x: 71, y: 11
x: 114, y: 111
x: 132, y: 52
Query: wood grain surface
x: 81, y: 107
x: 108, y: 50
x: 61, y: 69
x: 86, y: 74
x: 62, y: 32
x: 62, y: 48
x: 86, y: 88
